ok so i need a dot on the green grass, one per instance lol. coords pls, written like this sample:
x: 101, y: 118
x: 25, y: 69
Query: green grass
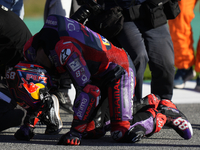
x: 147, y: 74
x: 34, y: 8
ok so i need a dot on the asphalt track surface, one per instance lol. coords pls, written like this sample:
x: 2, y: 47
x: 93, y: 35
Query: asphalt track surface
x: 187, y: 100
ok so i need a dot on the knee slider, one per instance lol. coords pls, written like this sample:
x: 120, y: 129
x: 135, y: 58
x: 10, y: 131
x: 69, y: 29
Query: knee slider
x: 119, y: 129
x: 149, y: 101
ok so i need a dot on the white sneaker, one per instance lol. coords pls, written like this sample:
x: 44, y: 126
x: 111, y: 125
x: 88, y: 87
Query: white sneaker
x: 56, y: 110
x: 197, y: 88
x: 183, y: 75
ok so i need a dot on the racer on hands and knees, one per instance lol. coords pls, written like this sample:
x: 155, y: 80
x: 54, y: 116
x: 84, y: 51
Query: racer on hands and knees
x: 103, y: 76
x: 93, y: 63
x: 175, y: 119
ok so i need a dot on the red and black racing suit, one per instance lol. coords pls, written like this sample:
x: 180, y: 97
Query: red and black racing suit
x: 99, y: 71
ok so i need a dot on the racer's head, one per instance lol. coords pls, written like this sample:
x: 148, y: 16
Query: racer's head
x: 43, y: 59
x: 39, y: 47
x: 26, y: 81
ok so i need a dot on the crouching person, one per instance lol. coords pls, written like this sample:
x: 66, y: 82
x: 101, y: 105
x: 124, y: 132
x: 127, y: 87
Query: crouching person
x: 103, y: 76
x: 29, y: 84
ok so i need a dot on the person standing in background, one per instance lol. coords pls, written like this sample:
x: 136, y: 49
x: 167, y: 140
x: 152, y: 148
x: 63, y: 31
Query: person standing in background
x: 182, y: 37
x: 63, y: 8
x: 145, y: 44
x: 17, y: 6
x: 60, y: 7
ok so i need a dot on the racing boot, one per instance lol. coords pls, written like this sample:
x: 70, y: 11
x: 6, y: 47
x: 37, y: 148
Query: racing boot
x: 51, y: 117
x: 176, y: 119
x: 25, y: 133
x: 96, y: 133
x: 98, y: 127
x: 64, y: 101
x: 144, y: 124
x: 149, y: 101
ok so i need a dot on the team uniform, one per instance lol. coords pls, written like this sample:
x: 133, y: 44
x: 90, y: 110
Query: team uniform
x: 29, y: 85
x: 102, y: 74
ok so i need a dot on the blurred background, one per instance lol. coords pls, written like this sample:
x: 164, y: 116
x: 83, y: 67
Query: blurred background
x: 33, y: 18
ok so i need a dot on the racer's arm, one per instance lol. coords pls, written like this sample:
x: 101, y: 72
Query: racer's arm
x: 72, y: 61
x: 87, y: 95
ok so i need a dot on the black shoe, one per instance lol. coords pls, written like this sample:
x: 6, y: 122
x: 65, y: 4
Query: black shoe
x: 183, y: 75
x: 64, y: 101
x: 197, y: 88
x: 52, y: 129
x: 25, y: 133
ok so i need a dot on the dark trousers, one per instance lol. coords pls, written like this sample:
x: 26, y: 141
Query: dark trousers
x: 11, y: 118
x: 153, y: 46
x: 11, y: 114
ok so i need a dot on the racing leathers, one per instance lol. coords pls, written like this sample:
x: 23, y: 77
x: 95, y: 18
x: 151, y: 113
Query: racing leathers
x: 99, y: 71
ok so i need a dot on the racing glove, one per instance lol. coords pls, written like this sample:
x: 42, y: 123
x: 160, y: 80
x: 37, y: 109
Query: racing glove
x: 72, y: 137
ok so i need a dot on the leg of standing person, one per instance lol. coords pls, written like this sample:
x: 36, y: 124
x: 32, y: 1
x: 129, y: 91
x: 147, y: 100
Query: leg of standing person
x: 63, y: 8
x: 74, y: 7
x: 182, y: 37
x: 197, y: 67
x: 162, y: 69
x: 58, y: 7
x: 161, y: 60
x: 131, y: 40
